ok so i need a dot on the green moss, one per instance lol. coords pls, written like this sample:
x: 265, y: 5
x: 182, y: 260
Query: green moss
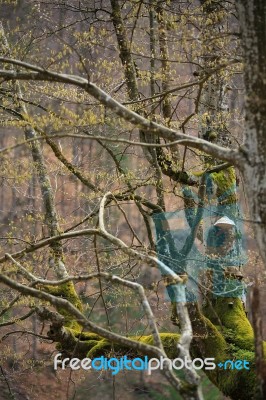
x: 208, y: 341
x: 236, y: 327
x: 225, y: 181
x: 232, y: 315
x: 101, y: 348
x: 67, y: 291
x: 169, y: 341
x: 239, y: 385
x: 241, y: 354
x: 215, y: 344
x: 84, y: 336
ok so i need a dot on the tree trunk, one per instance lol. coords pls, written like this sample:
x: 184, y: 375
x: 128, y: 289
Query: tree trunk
x: 252, y: 15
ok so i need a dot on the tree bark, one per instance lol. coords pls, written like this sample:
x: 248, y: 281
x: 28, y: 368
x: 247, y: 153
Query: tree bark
x: 252, y: 16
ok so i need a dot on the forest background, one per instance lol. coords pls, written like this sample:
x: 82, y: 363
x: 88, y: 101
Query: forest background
x: 122, y: 125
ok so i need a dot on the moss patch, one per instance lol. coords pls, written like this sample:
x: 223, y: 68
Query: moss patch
x: 66, y: 291
x: 232, y: 315
x: 225, y: 181
x: 169, y: 341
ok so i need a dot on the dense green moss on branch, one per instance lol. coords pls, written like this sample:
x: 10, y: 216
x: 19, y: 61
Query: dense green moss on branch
x: 233, y: 317
x: 66, y: 291
x: 225, y: 181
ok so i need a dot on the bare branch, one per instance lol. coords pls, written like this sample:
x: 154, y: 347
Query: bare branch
x: 40, y: 74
